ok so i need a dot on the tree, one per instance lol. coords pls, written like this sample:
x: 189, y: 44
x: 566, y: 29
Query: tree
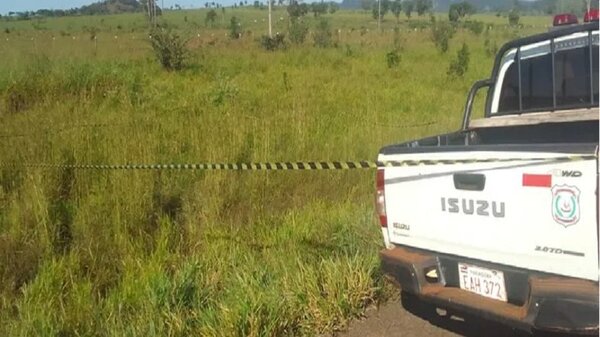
x: 333, y: 7
x: 318, y: 8
x: 460, y: 10
x: 453, y: 15
x: 385, y: 7
x: 423, y: 6
x: 407, y: 7
x: 296, y: 10
x: 396, y: 9
x: 366, y: 4
x: 547, y: 6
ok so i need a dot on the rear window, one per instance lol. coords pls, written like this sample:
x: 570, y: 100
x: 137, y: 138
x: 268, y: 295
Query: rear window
x: 573, y: 84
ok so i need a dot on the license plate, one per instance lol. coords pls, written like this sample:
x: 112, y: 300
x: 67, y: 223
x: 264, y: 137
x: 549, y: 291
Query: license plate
x: 482, y: 281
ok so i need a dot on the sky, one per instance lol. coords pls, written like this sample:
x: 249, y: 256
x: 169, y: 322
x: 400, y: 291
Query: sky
x: 32, y: 5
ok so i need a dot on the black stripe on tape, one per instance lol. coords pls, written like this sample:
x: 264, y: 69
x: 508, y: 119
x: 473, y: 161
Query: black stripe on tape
x: 295, y: 165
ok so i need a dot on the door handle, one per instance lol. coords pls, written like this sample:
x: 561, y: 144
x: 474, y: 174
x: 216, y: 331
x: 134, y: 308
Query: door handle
x: 469, y: 181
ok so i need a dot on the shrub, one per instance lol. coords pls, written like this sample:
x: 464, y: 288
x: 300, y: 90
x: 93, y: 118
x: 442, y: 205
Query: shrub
x: 490, y: 47
x: 476, y: 27
x: 298, y: 31
x: 460, y: 65
x: 211, y: 17
x: 398, y: 40
x: 322, y: 37
x: 419, y: 24
x: 513, y: 17
x: 392, y: 58
x: 223, y: 91
x: 93, y: 31
x: 235, y: 29
x: 170, y: 49
x: 441, y: 33
x: 273, y: 43
x: 348, y: 50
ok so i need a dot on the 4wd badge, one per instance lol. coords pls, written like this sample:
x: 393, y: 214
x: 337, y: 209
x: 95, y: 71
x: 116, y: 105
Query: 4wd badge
x: 565, y: 204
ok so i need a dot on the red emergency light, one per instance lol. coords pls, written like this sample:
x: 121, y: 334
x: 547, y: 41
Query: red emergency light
x: 564, y: 19
x: 591, y: 15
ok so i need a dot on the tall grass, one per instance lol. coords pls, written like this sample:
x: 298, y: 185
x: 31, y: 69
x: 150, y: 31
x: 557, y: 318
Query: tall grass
x: 142, y: 253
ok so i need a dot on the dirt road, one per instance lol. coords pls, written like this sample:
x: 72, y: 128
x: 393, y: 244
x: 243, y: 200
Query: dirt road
x: 394, y: 320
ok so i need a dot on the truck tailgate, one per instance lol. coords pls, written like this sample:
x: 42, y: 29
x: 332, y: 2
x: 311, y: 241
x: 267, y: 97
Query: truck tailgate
x: 529, y: 214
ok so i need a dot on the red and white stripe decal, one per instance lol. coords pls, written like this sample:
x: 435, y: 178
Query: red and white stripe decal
x: 537, y: 180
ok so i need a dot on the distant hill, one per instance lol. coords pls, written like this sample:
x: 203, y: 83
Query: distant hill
x: 112, y: 7
x: 350, y: 4
x: 97, y: 8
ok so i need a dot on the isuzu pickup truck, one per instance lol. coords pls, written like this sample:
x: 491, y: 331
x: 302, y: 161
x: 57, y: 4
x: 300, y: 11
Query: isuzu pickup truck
x: 500, y: 219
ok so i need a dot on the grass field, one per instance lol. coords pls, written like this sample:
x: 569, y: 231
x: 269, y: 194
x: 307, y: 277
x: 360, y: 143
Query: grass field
x: 163, y: 253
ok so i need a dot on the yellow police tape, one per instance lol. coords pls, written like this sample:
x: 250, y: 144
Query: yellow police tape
x: 295, y: 166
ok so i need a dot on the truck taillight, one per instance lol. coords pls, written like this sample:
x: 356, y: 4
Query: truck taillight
x: 380, y: 198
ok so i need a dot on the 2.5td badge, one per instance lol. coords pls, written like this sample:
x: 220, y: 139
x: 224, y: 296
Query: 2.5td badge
x: 565, y: 204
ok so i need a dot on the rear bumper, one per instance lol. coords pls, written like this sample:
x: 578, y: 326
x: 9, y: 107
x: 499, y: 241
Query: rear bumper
x: 547, y: 302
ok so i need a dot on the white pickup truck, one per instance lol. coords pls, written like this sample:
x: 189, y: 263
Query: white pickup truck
x: 500, y: 219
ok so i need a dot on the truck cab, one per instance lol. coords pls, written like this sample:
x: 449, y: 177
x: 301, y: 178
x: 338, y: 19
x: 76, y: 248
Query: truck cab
x: 500, y: 218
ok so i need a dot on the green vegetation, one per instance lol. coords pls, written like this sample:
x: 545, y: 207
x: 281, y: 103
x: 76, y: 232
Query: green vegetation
x: 211, y: 17
x: 297, y: 31
x: 181, y: 253
x: 460, y: 65
x: 273, y: 43
x: 235, y: 30
x: 459, y: 10
x: 513, y: 17
x: 441, y: 33
x: 170, y: 49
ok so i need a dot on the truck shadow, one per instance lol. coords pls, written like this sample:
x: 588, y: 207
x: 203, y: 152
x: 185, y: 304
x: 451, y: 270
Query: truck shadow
x: 464, y: 325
